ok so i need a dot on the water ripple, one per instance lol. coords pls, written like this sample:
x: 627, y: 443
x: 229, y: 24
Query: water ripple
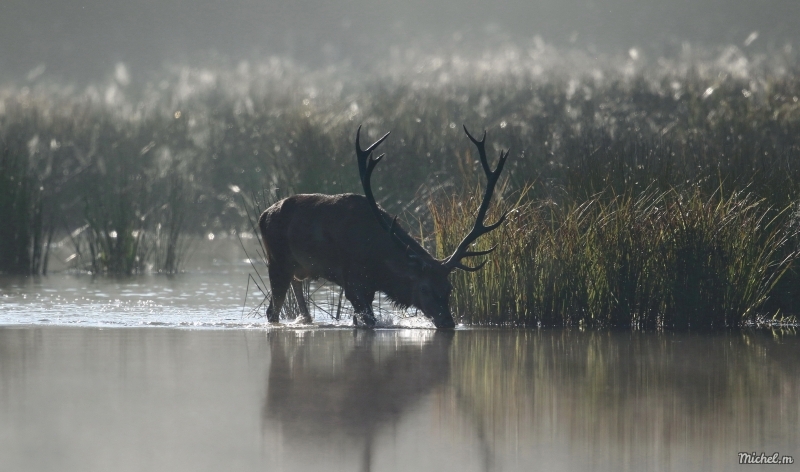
x: 190, y: 301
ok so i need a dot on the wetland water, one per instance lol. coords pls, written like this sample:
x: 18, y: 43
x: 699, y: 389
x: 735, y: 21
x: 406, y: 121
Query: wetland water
x: 92, y: 380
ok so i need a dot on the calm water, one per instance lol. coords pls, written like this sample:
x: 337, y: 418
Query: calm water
x: 236, y: 396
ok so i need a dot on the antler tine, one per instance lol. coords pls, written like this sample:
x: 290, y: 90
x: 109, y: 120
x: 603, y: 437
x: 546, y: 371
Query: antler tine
x: 479, y: 253
x: 372, y: 146
x: 481, y: 145
x: 461, y: 266
x: 366, y: 164
x: 365, y: 161
x: 479, y: 229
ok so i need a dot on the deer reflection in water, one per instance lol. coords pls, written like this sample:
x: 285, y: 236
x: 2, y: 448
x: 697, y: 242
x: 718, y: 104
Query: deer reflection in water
x: 346, y: 392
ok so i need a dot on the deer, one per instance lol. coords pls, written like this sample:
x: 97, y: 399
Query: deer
x: 348, y: 239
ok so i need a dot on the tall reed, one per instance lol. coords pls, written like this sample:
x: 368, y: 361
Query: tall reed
x: 677, y: 258
x: 24, y: 234
x: 20, y: 214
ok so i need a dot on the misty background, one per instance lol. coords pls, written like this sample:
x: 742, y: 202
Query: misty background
x: 82, y: 40
x: 128, y: 127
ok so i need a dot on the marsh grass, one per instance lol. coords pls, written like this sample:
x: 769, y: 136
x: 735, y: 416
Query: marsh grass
x: 675, y: 259
x: 22, y: 247
x: 657, y: 186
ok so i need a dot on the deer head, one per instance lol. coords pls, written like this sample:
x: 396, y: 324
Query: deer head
x: 428, y: 284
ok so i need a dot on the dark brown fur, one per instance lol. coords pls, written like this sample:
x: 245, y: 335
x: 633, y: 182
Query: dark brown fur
x: 338, y: 238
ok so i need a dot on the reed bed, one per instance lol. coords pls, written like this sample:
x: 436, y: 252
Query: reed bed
x: 620, y: 151
x: 21, y: 202
x: 677, y: 259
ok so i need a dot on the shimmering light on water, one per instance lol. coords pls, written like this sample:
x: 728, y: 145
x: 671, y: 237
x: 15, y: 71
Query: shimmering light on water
x: 202, y: 300
x: 198, y: 300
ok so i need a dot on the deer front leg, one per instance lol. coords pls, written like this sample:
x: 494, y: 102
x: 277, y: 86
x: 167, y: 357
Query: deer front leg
x: 362, y: 306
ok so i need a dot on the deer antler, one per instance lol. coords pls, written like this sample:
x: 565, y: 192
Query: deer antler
x: 366, y: 164
x: 479, y: 229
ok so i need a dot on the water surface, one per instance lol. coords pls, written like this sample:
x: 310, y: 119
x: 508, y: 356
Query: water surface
x: 229, y: 299
x: 99, y: 398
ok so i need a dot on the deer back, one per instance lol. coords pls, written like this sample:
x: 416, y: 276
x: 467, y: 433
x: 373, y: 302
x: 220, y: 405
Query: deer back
x: 337, y: 237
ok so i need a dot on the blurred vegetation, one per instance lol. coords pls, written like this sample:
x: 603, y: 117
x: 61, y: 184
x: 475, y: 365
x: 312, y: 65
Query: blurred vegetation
x: 21, y: 201
x: 694, y: 154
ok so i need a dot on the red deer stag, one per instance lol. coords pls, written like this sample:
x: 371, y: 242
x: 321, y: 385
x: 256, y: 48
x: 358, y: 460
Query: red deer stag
x: 349, y: 240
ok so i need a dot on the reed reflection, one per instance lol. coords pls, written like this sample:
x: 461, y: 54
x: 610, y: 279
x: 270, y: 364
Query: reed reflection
x: 622, y: 400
